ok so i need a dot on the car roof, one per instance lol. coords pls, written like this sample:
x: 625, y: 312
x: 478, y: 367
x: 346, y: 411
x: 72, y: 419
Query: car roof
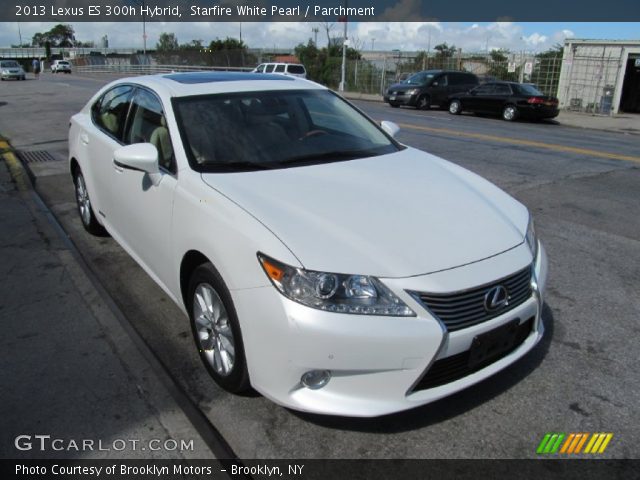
x: 202, y: 83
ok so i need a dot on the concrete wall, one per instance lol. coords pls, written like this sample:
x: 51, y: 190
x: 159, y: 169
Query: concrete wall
x: 591, y: 68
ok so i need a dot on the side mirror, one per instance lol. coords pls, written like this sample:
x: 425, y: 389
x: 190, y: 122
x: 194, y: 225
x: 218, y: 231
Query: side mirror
x: 142, y: 157
x: 391, y: 128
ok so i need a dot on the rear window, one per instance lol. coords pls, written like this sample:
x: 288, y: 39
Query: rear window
x: 280, y: 68
x: 64, y: 62
x: 297, y: 69
x: 525, y: 89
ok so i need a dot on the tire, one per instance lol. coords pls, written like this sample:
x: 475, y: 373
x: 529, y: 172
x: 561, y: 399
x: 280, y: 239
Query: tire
x: 509, y: 113
x: 455, y: 107
x: 423, y: 102
x: 85, y: 209
x: 216, y: 330
x: 394, y: 105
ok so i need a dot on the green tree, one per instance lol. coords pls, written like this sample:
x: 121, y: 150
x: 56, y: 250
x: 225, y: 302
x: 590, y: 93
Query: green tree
x: 192, y: 45
x: 498, y: 65
x: 59, y: 36
x: 230, y: 51
x: 167, y: 42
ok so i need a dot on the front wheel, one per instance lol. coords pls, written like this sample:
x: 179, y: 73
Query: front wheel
x: 423, y: 103
x: 510, y: 113
x: 85, y: 209
x: 455, y: 107
x: 216, y: 329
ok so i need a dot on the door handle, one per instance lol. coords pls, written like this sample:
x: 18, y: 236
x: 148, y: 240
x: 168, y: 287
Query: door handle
x: 117, y: 167
x: 84, y: 138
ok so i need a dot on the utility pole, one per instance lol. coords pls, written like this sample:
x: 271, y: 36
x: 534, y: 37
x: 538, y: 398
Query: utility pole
x: 144, y: 29
x: 240, y: 32
x: 315, y: 31
x: 344, y: 52
x: 372, y: 42
x: 19, y: 34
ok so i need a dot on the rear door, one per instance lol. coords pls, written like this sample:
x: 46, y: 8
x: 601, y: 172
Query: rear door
x: 99, y: 136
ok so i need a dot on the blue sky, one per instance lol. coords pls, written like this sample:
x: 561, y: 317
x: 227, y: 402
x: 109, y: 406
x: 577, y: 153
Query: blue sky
x: 479, y: 36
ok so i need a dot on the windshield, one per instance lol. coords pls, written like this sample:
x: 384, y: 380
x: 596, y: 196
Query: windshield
x: 525, y: 89
x: 420, y: 78
x: 276, y: 129
x: 9, y: 65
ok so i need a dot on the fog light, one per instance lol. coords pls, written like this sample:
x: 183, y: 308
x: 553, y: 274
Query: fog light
x: 315, y: 379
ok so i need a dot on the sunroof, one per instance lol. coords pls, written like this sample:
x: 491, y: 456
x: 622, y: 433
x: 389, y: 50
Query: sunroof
x: 207, y: 77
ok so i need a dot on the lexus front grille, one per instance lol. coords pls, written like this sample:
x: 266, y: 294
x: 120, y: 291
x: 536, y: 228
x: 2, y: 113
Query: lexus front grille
x: 462, y: 309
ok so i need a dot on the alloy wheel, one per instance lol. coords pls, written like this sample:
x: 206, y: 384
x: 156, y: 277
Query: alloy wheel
x: 214, y: 335
x: 84, y: 204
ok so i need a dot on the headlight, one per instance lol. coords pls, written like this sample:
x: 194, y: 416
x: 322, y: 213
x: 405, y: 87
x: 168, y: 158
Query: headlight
x: 412, y: 91
x: 531, y: 239
x: 5, y: 72
x: 334, y: 292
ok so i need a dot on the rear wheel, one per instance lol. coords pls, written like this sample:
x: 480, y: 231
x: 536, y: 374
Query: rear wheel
x: 394, y: 105
x: 423, y: 103
x: 455, y: 107
x: 510, y: 113
x: 85, y: 209
x: 216, y: 329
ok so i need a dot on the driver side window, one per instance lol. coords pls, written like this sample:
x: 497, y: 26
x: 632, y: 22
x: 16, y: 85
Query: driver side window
x: 148, y: 124
x: 110, y: 112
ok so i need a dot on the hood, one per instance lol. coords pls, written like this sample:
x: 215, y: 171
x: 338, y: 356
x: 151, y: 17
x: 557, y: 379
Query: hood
x: 396, y: 215
x: 402, y: 86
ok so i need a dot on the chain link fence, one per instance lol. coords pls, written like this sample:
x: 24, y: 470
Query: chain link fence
x: 375, y: 75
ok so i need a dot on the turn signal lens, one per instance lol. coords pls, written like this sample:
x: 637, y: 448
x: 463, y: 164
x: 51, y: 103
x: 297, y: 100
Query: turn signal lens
x: 273, y: 272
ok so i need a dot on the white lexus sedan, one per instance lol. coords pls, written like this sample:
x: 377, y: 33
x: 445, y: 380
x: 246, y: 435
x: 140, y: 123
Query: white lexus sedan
x: 321, y: 262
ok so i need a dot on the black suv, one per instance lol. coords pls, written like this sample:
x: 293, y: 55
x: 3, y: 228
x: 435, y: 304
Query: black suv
x: 431, y: 87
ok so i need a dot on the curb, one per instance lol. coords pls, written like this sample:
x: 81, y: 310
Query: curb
x: 18, y: 173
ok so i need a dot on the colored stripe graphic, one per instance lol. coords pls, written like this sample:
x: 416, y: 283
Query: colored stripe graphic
x: 550, y: 443
x: 598, y: 443
x: 572, y: 443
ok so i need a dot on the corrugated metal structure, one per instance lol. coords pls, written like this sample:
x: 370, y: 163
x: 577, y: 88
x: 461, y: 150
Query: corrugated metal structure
x: 600, y: 76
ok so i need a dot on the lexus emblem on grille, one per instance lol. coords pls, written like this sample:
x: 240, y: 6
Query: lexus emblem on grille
x: 496, y: 298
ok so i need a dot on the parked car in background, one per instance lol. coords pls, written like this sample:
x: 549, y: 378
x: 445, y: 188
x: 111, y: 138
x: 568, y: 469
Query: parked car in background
x: 59, y: 66
x: 10, y: 69
x: 511, y: 100
x: 319, y: 261
x: 293, y: 69
x: 430, y: 87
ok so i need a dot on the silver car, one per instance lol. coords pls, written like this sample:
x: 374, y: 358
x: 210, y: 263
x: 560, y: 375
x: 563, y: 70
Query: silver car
x: 10, y: 69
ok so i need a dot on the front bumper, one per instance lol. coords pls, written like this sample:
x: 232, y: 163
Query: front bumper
x: 375, y: 362
x: 401, y: 99
x: 13, y: 75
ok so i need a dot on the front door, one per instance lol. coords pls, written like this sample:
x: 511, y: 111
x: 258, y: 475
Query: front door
x: 143, y: 205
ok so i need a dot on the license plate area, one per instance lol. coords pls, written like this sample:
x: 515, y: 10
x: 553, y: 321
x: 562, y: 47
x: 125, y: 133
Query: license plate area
x: 392, y: 97
x: 493, y: 344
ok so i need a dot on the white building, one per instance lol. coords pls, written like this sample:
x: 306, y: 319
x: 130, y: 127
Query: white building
x: 600, y: 76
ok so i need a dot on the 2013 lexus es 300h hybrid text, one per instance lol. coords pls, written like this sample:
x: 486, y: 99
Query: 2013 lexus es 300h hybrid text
x: 321, y: 262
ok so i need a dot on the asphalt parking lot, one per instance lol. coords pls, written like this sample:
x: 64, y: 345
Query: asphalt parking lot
x: 583, y: 188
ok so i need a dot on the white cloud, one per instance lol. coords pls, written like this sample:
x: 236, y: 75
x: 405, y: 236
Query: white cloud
x: 405, y: 36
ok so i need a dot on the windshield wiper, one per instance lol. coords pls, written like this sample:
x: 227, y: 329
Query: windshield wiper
x: 332, y: 156
x: 244, y: 166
